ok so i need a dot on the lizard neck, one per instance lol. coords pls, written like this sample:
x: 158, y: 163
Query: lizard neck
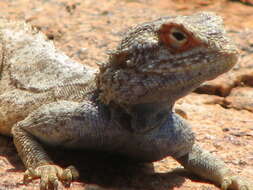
x: 141, y: 118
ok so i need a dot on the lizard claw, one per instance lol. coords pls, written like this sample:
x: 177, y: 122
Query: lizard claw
x: 50, y: 175
x: 235, y: 183
x: 68, y: 175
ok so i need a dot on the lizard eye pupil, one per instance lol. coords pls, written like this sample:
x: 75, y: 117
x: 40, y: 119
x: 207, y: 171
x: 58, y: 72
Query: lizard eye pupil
x: 178, y: 36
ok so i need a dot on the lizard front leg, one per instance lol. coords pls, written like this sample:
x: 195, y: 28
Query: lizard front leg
x: 38, y: 163
x: 209, y: 167
x: 205, y: 164
x: 51, y: 124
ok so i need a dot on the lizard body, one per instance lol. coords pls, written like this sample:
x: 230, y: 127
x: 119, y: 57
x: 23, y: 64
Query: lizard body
x: 125, y: 107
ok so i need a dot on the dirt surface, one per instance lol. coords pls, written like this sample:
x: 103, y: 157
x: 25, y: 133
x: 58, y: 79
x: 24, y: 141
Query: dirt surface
x: 220, y: 111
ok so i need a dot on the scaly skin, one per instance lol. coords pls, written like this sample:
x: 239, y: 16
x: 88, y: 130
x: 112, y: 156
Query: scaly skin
x: 45, y: 97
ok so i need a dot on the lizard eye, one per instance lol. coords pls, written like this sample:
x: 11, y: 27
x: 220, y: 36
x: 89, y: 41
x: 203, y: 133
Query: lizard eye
x: 177, y: 38
x: 173, y: 36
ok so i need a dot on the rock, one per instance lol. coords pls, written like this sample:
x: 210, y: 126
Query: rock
x: 240, y: 98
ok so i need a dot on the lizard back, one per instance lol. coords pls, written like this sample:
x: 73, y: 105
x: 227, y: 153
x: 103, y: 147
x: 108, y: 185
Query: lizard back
x: 33, y: 73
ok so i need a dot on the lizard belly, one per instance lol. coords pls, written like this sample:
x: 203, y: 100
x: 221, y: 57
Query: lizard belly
x: 170, y: 139
x: 88, y: 126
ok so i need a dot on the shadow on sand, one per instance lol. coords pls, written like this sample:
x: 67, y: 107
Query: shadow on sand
x: 103, y: 170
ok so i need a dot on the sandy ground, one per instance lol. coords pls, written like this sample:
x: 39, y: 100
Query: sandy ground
x: 221, y: 112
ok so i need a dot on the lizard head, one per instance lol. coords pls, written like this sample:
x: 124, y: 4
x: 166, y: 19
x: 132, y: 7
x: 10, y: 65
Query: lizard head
x: 163, y: 60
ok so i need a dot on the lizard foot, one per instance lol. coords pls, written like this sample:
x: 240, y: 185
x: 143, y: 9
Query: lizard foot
x: 50, y: 175
x: 236, y: 183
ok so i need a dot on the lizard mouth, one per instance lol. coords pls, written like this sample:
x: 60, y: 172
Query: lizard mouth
x: 195, y: 61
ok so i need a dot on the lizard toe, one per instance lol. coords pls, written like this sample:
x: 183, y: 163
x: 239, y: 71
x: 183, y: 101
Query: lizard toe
x: 49, y: 181
x: 68, y: 175
x: 236, y: 183
x: 30, y: 174
x: 50, y: 175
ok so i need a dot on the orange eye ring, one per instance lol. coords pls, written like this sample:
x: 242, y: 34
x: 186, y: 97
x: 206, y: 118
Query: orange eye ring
x: 176, y: 38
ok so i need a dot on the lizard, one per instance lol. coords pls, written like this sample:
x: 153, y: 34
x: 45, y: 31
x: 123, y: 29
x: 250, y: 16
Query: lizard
x: 124, y: 107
